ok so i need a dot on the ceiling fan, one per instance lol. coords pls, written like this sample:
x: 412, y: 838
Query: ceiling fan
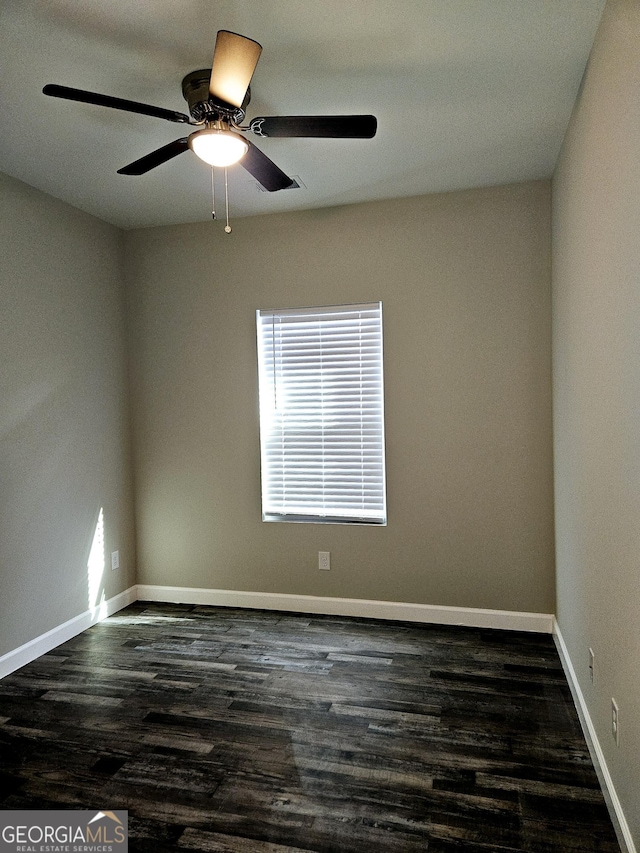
x: 217, y: 102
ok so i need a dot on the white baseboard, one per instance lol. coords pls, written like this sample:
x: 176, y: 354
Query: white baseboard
x: 56, y: 636
x: 597, y: 755
x: 394, y: 610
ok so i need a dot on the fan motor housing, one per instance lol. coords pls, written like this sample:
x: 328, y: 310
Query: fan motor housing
x: 203, y: 106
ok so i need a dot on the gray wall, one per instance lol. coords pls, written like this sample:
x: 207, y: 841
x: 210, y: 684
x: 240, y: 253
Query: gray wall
x: 596, y: 346
x: 64, y: 426
x: 465, y: 283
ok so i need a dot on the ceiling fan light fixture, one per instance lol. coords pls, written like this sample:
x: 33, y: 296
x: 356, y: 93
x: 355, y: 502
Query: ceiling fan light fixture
x: 218, y: 146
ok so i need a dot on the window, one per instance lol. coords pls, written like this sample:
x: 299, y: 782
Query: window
x: 321, y: 414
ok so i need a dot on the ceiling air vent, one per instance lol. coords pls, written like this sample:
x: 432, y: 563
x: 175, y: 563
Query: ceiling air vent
x: 296, y: 185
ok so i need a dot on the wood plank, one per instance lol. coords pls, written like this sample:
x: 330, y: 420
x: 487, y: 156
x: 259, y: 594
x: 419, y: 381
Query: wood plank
x: 230, y: 731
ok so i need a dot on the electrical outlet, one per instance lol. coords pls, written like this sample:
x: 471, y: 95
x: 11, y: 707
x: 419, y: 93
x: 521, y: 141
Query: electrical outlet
x: 324, y: 560
x: 115, y: 560
x: 591, y: 665
x: 615, y: 721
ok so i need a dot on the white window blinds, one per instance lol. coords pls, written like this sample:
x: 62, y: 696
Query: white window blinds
x: 321, y: 414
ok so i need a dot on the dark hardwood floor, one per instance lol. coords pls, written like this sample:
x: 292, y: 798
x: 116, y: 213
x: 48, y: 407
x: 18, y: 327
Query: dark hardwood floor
x: 233, y: 730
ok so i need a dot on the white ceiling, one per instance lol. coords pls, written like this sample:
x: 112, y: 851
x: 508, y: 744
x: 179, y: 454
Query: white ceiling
x: 467, y: 93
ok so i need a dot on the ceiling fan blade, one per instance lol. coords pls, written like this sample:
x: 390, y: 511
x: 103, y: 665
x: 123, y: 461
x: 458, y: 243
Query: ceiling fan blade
x: 156, y: 158
x: 234, y: 60
x: 264, y: 170
x: 84, y: 97
x: 345, y: 127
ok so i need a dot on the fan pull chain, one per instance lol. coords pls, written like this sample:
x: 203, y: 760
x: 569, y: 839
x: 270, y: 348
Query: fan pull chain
x: 227, y: 227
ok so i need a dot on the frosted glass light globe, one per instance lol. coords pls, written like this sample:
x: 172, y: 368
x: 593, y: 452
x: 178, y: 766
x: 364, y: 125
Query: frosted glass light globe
x: 218, y: 147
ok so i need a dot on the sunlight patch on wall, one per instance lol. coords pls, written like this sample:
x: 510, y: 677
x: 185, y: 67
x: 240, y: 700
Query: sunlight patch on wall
x: 95, y: 570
